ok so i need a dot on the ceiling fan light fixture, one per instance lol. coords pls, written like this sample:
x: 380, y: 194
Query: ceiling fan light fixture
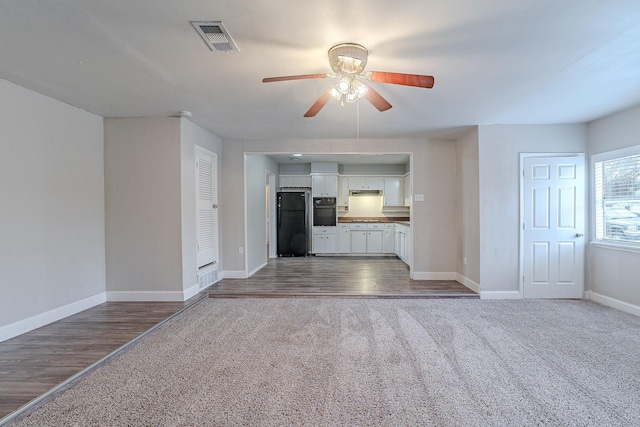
x: 344, y: 85
x: 360, y: 88
x: 350, y: 58
x: 349, y: 90
x: 335, y: 93
x: 350, y: 65
x: 351, y: 97
x: 348, y: 61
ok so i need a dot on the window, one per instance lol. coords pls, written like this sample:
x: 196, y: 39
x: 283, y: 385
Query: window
x: 617, y: 196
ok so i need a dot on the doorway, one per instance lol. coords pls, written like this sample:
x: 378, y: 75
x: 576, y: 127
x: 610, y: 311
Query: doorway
x: 552, y: 225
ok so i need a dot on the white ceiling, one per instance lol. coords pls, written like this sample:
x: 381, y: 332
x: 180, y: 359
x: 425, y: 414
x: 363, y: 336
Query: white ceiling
x: 494, y: 61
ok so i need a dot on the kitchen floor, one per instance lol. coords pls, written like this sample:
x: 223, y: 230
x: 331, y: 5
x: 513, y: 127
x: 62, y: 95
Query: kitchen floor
x: 385, y: 277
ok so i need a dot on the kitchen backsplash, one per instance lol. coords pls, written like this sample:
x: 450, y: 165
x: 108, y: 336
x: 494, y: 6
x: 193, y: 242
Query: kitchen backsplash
x: 370, y: 207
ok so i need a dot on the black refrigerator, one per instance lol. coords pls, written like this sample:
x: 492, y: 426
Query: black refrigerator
x: 292, y: 223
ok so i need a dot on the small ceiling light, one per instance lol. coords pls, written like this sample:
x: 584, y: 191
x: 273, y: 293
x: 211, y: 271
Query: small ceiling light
x: 344, y: 85
x: 360, y: 88
x: 335, y: 92
x: 297, y: 154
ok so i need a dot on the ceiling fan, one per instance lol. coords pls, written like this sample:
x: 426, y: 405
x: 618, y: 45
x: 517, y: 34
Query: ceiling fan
x: 347, y: 61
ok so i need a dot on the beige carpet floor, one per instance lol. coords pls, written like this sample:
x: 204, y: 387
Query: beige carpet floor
x: 387, y: 362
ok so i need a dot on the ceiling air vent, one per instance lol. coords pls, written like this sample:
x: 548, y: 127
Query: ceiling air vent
x: 215, y: 35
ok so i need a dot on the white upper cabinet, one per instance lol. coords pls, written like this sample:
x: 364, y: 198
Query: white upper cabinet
x: 324, y: 185
x: 295, y: 181
x: 393, y: 191
x: 366, y: 183
x: 343, y: 191
x: 407, y: 190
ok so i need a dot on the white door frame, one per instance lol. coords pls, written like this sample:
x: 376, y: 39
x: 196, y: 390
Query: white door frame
x: 522, y: 213
x: 270, y: 182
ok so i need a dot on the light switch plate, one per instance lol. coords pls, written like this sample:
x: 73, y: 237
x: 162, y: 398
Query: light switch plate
x: 418, y: 197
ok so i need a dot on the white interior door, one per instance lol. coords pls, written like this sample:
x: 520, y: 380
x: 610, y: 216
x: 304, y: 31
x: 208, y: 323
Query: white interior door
x: 553, y: 227
x: 207, y: 207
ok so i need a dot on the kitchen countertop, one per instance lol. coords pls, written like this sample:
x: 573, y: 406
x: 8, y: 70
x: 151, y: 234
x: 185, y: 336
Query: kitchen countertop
x: 402, y: 220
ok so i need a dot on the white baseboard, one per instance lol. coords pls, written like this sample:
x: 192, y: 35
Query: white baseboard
x: 22, y: 326
x: 475, y: 287
x: 614, y: 303
x: 233, y: 274
x: 500, y: 295
x: 190, y: 292
x: 255, y: 270
x: 434, y: 275
x: 145, y: 296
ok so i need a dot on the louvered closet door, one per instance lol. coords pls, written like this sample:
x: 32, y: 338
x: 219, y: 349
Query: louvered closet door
x: 207, y: 207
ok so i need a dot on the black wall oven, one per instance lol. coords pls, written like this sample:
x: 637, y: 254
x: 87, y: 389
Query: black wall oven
x: 324, y: 211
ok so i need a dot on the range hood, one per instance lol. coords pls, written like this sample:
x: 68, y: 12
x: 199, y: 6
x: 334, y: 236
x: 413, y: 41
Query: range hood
x: 365, y: 193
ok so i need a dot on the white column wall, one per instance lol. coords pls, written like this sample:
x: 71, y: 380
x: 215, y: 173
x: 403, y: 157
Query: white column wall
x: 468, y: 209
x: 191, y: 136
x: 256, y: 246
x: 143, y: 209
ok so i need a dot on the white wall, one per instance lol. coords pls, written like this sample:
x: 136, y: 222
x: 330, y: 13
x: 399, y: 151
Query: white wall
x: 499, y: 190
x: 256, y: 246
x: 143, y: 208
x: 433, y: 174
x: 232, y: 208
x: 51, y: 210
x: 468, y: 208
x: 613, y: 274
x: 191, y: 136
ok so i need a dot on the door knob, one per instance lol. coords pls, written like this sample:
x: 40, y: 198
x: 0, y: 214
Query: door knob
x: 579, y: 235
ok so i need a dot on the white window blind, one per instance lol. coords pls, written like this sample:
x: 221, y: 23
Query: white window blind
x: 617, y: 196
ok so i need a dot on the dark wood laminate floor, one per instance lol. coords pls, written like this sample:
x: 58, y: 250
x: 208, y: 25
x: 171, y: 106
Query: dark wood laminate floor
x: 337, y: 276
x: 34, y: 363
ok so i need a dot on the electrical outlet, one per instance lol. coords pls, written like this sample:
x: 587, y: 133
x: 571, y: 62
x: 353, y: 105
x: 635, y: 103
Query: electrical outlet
x: 464, y: 260
x: 240, y: 250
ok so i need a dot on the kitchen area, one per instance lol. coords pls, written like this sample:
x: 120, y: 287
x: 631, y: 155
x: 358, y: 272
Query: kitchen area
x: 359, y: 209
x: 352, y: 223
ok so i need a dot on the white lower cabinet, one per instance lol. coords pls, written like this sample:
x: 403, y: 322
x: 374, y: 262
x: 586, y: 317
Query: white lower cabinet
x: 324, y: 240
x: 374, y: 241
x: 344, y: 239
x: 403, y: 243
x: 358, y: 241
x: 388, y: 239
x: 366, y: 238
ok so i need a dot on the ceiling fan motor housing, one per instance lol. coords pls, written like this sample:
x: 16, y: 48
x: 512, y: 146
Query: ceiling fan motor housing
x: 350, y: 58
